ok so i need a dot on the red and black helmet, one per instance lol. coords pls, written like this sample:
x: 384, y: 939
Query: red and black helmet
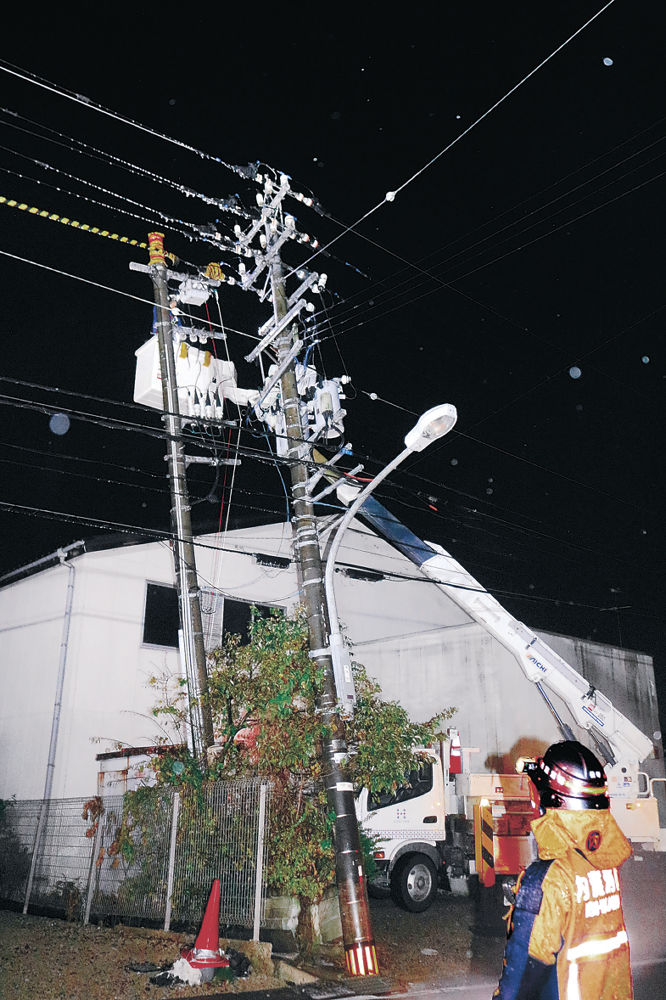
x: 569, y: 776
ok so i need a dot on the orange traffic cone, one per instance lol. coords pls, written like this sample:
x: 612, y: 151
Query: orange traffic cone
x: 206, y: 953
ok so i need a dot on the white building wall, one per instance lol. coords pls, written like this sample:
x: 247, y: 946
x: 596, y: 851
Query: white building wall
x: 425, y: 652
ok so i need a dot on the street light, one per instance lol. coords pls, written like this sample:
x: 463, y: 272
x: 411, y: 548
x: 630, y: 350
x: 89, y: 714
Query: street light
x: 431, y: 426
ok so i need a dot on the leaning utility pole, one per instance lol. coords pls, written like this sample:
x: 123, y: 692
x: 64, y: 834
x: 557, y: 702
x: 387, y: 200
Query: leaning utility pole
x: 181, y: 524
x: 358, y: 938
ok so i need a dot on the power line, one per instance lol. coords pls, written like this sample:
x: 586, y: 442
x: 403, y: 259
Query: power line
x: 346, y: 309
x: 390, y: 195
x: 370, y: 292
x: 152, y: 534
x: 108, y: 288
x: 86, y: 102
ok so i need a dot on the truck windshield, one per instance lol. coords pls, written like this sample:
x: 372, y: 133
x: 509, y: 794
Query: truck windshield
x: 417, y: 782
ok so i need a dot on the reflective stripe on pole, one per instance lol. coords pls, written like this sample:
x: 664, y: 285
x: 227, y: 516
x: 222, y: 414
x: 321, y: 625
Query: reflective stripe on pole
x: 484, y: 854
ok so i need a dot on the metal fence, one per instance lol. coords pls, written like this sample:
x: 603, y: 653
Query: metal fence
x: 147, y: 857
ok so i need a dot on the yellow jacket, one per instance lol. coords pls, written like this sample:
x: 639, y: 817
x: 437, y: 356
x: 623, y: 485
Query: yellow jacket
x: 567, y: 937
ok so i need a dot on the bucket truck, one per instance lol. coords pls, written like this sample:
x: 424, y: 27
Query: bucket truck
x: 433, y: 825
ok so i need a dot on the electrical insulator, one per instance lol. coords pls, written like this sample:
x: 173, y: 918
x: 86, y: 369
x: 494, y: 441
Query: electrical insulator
x: 262, y: 240
x: 260, y: 199
x: 237, y: 230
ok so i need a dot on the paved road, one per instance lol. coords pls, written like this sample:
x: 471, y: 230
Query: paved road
x: 649, y: 984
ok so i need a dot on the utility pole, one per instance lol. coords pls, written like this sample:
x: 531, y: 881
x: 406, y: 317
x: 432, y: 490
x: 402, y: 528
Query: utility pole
x: 358, y: 938
x: 181, y: 523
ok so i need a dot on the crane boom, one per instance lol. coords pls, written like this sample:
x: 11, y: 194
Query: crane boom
x: 622, y: 743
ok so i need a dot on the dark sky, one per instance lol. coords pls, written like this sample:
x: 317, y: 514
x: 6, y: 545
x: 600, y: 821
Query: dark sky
x: 517, y: 276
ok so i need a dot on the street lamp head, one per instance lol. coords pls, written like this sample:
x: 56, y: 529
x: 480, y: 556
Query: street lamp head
x: 430, y: 426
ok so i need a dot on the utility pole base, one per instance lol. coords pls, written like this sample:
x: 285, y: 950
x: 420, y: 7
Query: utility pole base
x: 361, y: 959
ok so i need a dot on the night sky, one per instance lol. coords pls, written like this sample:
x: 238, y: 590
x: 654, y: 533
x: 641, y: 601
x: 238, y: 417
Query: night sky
x: 517, y: 274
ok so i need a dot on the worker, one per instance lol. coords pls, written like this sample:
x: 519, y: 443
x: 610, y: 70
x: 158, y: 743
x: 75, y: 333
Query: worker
x: 566, y: 935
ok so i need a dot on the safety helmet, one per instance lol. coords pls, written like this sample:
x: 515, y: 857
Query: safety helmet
x: 569, y: 776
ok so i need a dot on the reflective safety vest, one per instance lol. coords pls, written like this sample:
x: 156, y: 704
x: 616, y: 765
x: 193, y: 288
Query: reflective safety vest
x: 567, y: 939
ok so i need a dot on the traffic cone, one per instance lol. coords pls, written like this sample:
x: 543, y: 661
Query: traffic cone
x: 206, y: 953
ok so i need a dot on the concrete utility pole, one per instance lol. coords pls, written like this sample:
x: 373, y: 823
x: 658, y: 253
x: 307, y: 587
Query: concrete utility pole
x: 181, y: 524
x: 357, y: 931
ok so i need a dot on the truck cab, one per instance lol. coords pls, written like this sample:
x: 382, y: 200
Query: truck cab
x: 428, y: 832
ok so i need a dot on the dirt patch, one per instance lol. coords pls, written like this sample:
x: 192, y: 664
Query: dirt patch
x: 50, y: 959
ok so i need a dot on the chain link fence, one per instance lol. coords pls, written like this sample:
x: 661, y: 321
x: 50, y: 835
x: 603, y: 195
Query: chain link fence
x: 147, y: 857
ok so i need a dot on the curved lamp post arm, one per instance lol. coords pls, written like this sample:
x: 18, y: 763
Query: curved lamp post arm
x: 431, y: 426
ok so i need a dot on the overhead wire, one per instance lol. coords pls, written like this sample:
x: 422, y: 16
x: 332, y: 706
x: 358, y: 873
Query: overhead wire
x: 152, y: 534
x: 225, y: 204
x: 86, y: 102
x: 409, y: 266
x: 391, y: 195
x: 569, y: 222
x: 108, y: 288
x: 347, y: 308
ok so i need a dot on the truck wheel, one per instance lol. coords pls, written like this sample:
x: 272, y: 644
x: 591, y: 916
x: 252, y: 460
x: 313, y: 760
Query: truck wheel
x: 414, y: 883
x: 376, y: 891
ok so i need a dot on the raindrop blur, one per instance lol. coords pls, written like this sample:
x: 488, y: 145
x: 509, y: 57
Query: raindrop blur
x: 59, y: 423
x: 575, y: 372
x: 454, y: 461
x: 608, y: 61
x: 645, y: 359
x: 490, y: 490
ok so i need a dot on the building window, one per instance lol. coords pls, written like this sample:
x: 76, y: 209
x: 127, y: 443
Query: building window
x: 237, y: 616
x: 160, y: 619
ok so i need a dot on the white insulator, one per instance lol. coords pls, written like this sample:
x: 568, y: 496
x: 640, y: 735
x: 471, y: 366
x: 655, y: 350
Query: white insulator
x: 284, y: 181
x: 315, y: 244
x: 242, y: 268
x: 268, y: 186
x: 237, y: 230
x: 260, y: 199
x: 309, y: 307
x: 289, y: 221
x: 274, y: 225
x: 308, y: 201
x: 231, y: 281
x: 305, y: 238
x: 262, y: 241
